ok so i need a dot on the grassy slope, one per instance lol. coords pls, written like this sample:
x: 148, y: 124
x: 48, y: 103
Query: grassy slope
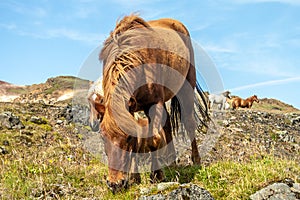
x: 50, y: 161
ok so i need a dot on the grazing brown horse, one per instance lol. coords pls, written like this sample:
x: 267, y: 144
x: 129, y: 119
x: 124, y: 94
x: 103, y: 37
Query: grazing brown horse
x: 244, y: 103
x: 146, y: 64
x: 97, y: 108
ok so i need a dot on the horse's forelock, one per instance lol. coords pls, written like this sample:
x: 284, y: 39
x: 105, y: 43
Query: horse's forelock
x: 127, y: 23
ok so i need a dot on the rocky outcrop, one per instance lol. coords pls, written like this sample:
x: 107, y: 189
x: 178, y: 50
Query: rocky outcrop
x: 184, y: 191
x: 278, y: 191
x: 244, y: 133
x: 10, y: 121
x: 61, y: 88
x: 75, y: 113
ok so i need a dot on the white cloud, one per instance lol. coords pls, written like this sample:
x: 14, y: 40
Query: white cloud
x: 267, y: 83
x: 74, y: 35
x: 219, y: 49
x: 24, y: 9
x: 292, y: 2
x: 8, y: 26
x: 88, y: 38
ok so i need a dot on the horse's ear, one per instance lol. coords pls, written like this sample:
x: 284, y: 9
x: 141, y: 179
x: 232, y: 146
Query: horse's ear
x: 132, y: 104
x: 100, y: 108
x: 100, y: 97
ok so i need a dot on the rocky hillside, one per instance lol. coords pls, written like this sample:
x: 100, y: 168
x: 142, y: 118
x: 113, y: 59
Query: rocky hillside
x: 55, y: 89
x: 274, y: 105
x: 8, y: 92
x: 47, y: 150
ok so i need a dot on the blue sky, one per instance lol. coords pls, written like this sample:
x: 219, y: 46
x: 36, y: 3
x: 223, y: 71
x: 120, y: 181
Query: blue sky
x: 254, y: 44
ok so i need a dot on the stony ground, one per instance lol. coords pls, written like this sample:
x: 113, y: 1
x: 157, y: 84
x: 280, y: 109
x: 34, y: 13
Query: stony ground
x: 244, y: 133
x: 53, y: 137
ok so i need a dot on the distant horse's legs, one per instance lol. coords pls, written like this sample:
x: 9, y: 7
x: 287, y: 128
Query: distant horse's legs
x: 223, y: 104
x: 211, y: 104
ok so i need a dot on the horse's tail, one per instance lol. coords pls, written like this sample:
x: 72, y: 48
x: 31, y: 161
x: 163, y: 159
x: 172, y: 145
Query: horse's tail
x: 201, y: 110
x: 175, y: 114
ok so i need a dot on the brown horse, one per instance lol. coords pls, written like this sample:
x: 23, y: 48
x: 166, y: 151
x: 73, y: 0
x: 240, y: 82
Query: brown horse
x: 97, y: 108
x: 244, y: 103
x: 146, y: 64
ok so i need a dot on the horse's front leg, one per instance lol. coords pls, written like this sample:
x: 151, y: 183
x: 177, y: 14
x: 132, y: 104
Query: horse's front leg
x: 155, y: 138
x: 211, y: 105
x: 135, y: 176
x: 223, y: 104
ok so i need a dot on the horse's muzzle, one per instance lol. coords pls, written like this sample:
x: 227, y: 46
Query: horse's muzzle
x: 95, y: 126
x: 117, y: 187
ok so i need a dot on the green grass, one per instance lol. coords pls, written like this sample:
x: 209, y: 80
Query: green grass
x: 31, y: 172
x: 46, y: 161
x: 56, y: 165
x: 66, y: 82
x: 234, y: 180
x: 17, y: 90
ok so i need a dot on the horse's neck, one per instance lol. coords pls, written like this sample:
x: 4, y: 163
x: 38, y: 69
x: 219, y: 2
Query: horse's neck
x: 251, y: 100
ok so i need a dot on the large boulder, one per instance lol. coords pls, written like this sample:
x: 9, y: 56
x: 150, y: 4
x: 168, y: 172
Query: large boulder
x: 278, y: 191
x: 10, y: 121
x: 184, y: 191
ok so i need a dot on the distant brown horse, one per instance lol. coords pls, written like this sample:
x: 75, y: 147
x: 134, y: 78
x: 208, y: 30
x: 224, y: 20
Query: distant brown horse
x: 146, y: 64
x: 244, y: 103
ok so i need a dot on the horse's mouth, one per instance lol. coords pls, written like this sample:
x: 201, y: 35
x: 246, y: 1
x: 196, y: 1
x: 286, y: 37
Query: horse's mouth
x: 95, y: 126
x: 117, y: 187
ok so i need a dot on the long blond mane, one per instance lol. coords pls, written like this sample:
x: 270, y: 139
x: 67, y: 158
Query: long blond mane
x: 119, y: 56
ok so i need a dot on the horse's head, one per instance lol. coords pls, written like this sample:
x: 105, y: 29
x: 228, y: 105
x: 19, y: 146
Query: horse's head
x: 118, y: 147
x: 254, y: 98
x: 227, y: 94
x: 97, y: 110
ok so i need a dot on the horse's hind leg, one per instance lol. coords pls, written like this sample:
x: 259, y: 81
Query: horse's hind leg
x: 186, y: 94
x: 170, y: 150
x: 187, y: 109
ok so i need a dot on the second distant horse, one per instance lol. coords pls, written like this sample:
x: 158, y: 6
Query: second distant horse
x: 244, y: 103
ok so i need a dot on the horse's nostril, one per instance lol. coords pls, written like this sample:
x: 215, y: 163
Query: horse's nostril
x: 116, y: 187
x: 124, y: 183
x: 95, y: 126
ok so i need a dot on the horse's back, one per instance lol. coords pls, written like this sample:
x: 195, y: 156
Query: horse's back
x: 171, y: 48
x: 170, y: 24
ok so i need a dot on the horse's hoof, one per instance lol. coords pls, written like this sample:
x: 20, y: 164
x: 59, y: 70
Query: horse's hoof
x: 135, y: 178
x: 117, y: 187
x: 197, y: 161
x: 157, y: 176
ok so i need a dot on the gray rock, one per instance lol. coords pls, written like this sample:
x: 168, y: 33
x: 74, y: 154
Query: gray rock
x: 10, y: 121
x: 75, y: 113
x: 185, y: 191
x: 284, y: 136
x: 59, y: 122
x: 276, y: 191
x: 295, y: 120
x: 37, y: 120
x: 166, y: 185
x: 3, y: 150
